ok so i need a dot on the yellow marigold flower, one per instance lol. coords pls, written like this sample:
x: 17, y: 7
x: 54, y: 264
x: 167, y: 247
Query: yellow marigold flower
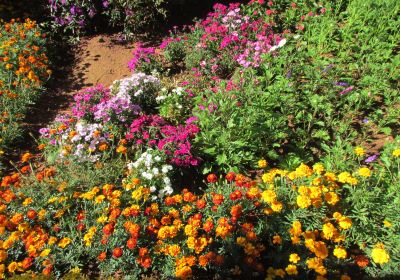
x: 268, y: 177
x: 379, y: 254
x: 359, y: 151
x: 364, y: 172
x: 99, y: 199
x: 303, y: 201
x: 303, y: 171
x: 276, y: 239
x: 320, y: 250
x: 75, y: 270
x: 102, y: 219
x: 196, y: 244
x: 116, y: 194
x: 295, y: 240
x: 183, y: 272
x: 291, y: 269
x: 317, y: 265
x: 27, y: 201
x: 186, y: 208
x: 329, y: 231
x: 296, y: 228
x: 59, y: 213
x: 329, y: 176
x: 340, y: 252
x: 3, y: 255
x: 294, y: 258
x: 137, y: 193
x: 386, y: 223
x: 345, y: 222
x: 345, y: 177
x: 52, y: 240
x: 12, y: 267
x: 45, y: 253
x: 304, y: 190
x: 52, y: 199
x: 253, y: 192
x: 174, y: 250
x: 115, y: 202
x: 331, y: 198
x: 396, y: 153
x: 268, y: 196
x: 315, y: 192
x: 276, y: 206
x: 64, y: 242
x: 190, y: 230
x: 318, y: 168
x: 262, y: 163
x: 241, y: 241
x: 121, y: 149
x: 279, y: 272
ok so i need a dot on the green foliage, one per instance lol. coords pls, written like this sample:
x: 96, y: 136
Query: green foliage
x: 239, y: 127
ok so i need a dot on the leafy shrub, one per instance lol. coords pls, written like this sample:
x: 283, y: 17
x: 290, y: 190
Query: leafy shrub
x: 239, y: 126
x: 137, y: 16
x: 71, y: 17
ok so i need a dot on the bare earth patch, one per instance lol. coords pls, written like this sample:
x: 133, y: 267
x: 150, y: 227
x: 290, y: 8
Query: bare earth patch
x: 99, y: 59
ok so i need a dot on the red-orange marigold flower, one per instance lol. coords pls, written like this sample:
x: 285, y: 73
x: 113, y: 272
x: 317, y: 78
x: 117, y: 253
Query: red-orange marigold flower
x: 212, y: 178
x: 117, y: 252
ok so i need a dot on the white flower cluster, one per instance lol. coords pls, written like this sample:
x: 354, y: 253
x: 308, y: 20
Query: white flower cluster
x: 151, y: 169
x: 165, y: 94
x: 136, y: 85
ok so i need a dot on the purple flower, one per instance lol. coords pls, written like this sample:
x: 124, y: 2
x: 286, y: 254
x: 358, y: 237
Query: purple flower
x: 73, y: 10
x: 346, y: 90
x: 365, y: 120
x: 105, y: 4
x: 371, y: 158
x: 92, y: 12
x: 341, y: 84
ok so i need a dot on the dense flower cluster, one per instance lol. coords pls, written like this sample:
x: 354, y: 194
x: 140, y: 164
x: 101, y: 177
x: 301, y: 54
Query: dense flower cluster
x: 120, y: 103
x: 227, y: 33
x: 153, y: 131
x: 117, y: 223
x: 150, y: 169
x: 104, y: 191
x: 23, y: 69
x: 82, y: 140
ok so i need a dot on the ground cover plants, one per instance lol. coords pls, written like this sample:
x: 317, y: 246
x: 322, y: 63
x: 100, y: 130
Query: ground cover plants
x: 243, y: 146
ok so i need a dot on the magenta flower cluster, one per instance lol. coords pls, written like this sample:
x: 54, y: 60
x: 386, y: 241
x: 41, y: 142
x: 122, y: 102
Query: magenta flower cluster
x: 140, y: 54
x: 237, y: 35
x: 152, y: 131
x: 98, y: 104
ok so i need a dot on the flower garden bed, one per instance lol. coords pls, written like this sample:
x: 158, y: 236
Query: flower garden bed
x: 240, y: 147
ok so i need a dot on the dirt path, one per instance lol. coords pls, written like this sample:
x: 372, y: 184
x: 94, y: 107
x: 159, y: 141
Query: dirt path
x: 99, y: 59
